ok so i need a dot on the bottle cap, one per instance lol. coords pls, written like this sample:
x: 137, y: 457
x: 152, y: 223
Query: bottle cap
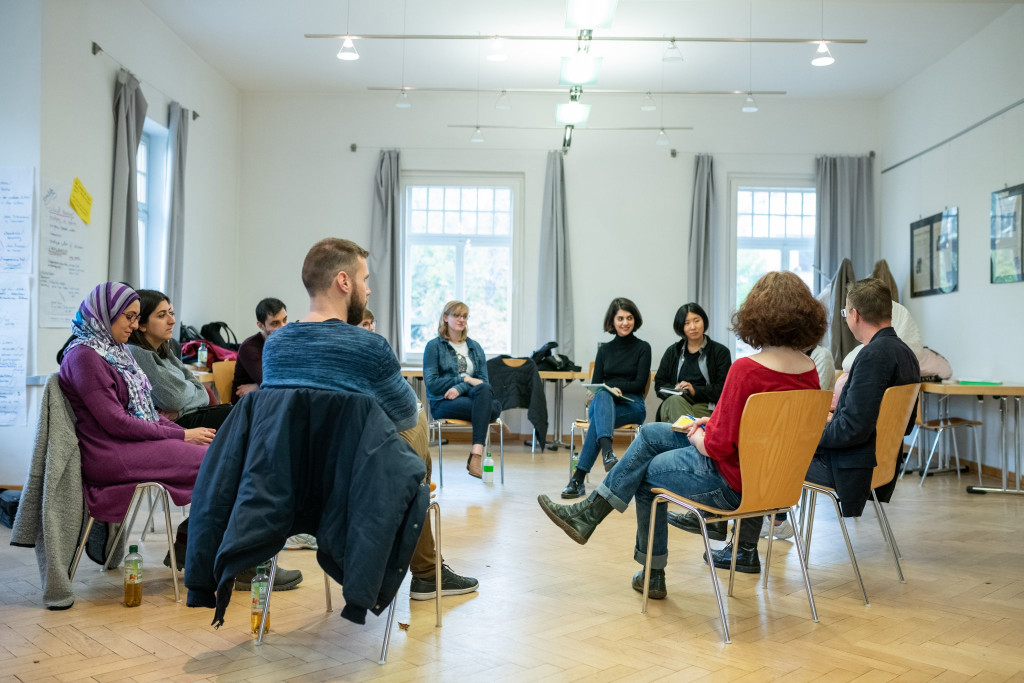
x: 133, y: 548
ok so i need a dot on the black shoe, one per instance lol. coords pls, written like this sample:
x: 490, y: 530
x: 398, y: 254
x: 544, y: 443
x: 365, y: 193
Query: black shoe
x: 284, y: 579
x: 579, y: 519
x: 609, y: 461
x: 179, y: 556
x: 574, y: 489
x: 688, y: 522
x: 451, y: 584
x: 656, y: 591
x: 747, y: 560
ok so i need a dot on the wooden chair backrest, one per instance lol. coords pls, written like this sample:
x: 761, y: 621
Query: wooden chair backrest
x: 893, y: 416
x: 223, y: 377
x: 779, y: 432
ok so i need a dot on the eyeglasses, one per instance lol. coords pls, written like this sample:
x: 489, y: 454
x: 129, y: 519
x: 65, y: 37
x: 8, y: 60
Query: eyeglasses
x: 464, y: 316
x: 131, y: 317
x: 844, y: 311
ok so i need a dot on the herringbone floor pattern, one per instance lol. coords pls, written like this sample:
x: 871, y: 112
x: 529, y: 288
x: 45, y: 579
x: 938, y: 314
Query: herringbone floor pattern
x: 550, y: 609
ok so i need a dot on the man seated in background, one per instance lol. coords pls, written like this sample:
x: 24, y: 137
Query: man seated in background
x: 328, y: 350
x: 270, y: 315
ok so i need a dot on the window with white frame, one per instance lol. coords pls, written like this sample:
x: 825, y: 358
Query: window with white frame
x: 152, y: 190
x: 458, y: 245
x: 775, y: 230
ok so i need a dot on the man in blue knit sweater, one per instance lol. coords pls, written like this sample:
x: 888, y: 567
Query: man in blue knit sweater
x: 328, y: 350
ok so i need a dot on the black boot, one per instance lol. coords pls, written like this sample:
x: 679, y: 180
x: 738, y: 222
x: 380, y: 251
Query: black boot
x: 657, y: 590
x: 579, y: 519
x: 747, y: 560
x: 609, y: 460
x: 575, y: 487
x: 688, y: 522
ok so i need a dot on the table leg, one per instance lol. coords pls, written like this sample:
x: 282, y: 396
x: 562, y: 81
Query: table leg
x: 1005, y: 456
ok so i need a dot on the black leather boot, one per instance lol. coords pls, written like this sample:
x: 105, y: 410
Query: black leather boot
x: 575, y: 488
x: 747, y: 560
x: 609, y: 460
x: 579, y: 519
x: 688, y: 522
x: 657, y: 590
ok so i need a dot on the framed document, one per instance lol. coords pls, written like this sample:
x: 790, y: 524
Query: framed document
x: 933, y: 254
x: 1007, y: 236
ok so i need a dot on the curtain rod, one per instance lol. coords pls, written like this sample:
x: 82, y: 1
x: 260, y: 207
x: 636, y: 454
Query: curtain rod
x: 966, y: 130
x: 96, y: 49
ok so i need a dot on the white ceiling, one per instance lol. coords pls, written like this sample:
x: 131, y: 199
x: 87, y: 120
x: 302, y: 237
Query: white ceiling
x: 258, y: 45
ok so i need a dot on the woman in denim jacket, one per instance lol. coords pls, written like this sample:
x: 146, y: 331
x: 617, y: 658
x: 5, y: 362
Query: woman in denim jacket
x: 455, y: 372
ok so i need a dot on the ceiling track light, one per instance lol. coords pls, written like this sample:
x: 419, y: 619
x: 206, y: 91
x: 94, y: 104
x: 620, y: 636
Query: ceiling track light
x: 478, y: 135
x: 503, y: 102
x: 589, y: 14
x: 497, y: 53
x: 672, y: 53
x: 749, y: 105
x: 566, y: 138
x: 662, y: 139
x: 648, y: 103
x: 348, y: 53
x: 822, y: 56
x: 402, y: 101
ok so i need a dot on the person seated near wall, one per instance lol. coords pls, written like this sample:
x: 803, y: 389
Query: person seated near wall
x: 369, y: 322
x: 696, y: 365
x: 176, y: 391
x: 327, y: 350
x: 906, y: 329
x: 624, y: 364
x: 123, y: 439
x: 271, y: 315
x: 455, y: 374
x: 779, y: 317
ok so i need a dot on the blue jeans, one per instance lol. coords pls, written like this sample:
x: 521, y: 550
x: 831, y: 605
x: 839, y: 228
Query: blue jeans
x: 819, y: 472
x: 605, y: 414
x: 478, y: 405
x: 662, y: 458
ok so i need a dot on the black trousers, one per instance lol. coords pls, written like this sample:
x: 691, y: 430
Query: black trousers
x: 211, y: 417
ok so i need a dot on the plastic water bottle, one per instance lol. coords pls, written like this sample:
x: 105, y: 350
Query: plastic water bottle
x: 202, y: 354
x: 133, y: 577
x: 575, y: 459
x: 488, y: 477
x: 259, y: 587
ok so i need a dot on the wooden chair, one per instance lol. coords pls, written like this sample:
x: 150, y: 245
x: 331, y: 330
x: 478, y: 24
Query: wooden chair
x: 779, y: 432
x: 939, y: 426
x: 581, y: 426
x: 126, y: 526
x: 449, y: 422
x: 223, y: 378
x: 890, y: 428
x: 436, y: 510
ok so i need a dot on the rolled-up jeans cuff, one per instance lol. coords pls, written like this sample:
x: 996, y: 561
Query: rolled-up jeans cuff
x: 612, y: 499
x: 657, y: 561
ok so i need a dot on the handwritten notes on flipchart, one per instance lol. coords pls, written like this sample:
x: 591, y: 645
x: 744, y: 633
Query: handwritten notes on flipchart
x: 13, y: 348
x: 63, y: 238
x: 16, y: 219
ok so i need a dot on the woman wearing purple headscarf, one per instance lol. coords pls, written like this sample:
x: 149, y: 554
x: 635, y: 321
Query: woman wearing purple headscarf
x: 123, y: 439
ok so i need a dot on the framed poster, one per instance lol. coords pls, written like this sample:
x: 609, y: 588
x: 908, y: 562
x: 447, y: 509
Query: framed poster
x: 1007, y: 236
x: 933, y: 254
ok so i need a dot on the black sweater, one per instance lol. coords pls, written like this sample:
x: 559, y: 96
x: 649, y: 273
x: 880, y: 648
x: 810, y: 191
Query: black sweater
x: 718, y: 362
x: 624, y: 363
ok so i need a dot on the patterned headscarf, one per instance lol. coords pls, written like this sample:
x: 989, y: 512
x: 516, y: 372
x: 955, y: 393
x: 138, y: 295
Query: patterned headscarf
x: 92, y: 327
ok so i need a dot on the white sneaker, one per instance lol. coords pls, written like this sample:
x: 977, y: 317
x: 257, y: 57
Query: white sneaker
x: 301, y: 542
x: 782, y: 531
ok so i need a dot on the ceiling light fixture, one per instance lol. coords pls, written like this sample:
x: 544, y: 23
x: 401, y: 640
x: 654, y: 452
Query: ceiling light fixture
x: 822, y: 57
x: 589, y: 14
x: 566, y: 139
x: 672, y: 53
x: 348, y: 52
x: 497, y: 53
x: 662, y: 139
x: 503, y: 102
x: 648, y: 103
x: 572, y: 112
x: 749, y: 105
x: 582, y: 68
x: 478, y: 135
x: 402, y: 101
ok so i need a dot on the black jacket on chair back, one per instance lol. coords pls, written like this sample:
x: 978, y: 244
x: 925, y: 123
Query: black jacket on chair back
x: 306, y: 461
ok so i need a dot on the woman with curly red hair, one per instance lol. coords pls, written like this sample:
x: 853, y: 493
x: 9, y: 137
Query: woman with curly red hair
x: 779, y: 317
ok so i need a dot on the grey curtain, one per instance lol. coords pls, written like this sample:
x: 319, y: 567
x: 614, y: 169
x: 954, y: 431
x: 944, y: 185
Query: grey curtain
x: 703, y: 217
x: 177, y: 144
x: 846, y: 214
x: 129, y: 115
x: 554, y: 291
x: 386, y: 250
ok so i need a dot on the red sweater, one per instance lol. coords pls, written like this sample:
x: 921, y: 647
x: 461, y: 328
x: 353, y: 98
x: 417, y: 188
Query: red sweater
x: 722, y: 431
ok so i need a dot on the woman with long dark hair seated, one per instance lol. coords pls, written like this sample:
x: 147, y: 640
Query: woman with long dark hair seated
x: 176, y: 392
x: 695, y: 366
x: 781, y: 318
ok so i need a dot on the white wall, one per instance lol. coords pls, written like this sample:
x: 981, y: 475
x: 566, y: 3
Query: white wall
x: 70, y: 134
x: 980, y: 326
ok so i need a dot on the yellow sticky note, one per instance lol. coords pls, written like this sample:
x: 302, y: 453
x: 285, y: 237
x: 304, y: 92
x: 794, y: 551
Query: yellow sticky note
x: 81, y: 200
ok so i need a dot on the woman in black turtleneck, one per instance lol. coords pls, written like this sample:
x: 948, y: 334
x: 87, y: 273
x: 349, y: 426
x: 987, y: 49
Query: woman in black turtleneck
x: 624, y: 364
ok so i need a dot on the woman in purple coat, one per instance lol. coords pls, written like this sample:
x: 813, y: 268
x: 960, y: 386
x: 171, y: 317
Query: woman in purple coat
x: 123, y: 440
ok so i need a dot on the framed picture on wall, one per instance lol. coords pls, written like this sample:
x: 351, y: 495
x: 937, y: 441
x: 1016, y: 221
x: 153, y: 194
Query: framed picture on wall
x: 1007, y: 235
x: 933, y: 254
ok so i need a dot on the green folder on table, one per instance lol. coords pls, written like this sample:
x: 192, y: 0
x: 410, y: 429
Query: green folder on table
x: 979, y: 383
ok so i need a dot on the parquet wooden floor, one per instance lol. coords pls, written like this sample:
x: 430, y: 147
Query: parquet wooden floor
x: 550, y: 609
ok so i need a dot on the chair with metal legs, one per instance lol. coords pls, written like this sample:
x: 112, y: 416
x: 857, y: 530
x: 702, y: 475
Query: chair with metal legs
x: 164, y: 498
x: 436, y: 509
x: 778, y: 434
x: 940, y: 426
x: 894, y: 415
x: 440, y: 423
x: 582, y: 425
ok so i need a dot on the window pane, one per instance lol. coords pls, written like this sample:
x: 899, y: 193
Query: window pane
x: 485, y: 199
x: 751, y: 264
x: 418, y: 197
x: 502, y: 199
x: 809, y: 203
x: 432, y: 284
x: 485, y: 224
x: 794, y: 202
x: 142, y: 187
x: 777, y: 226
x: 418, y: 221
x: 760, y: 202
x: 793, y: 226
x: 142, y: 156
x: 760, y: 226
x: 451, y: 223
x: 451, y: 198
x: 469, y: 199
x: 744, y: 201
x: 434, y: 222
x: 487, y: 278
x: 809, y: 225
x: 436, y: 198
x: 778, y: 203
x: 744, y: 226
x: 502, y: 223
x: 468, y: 221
